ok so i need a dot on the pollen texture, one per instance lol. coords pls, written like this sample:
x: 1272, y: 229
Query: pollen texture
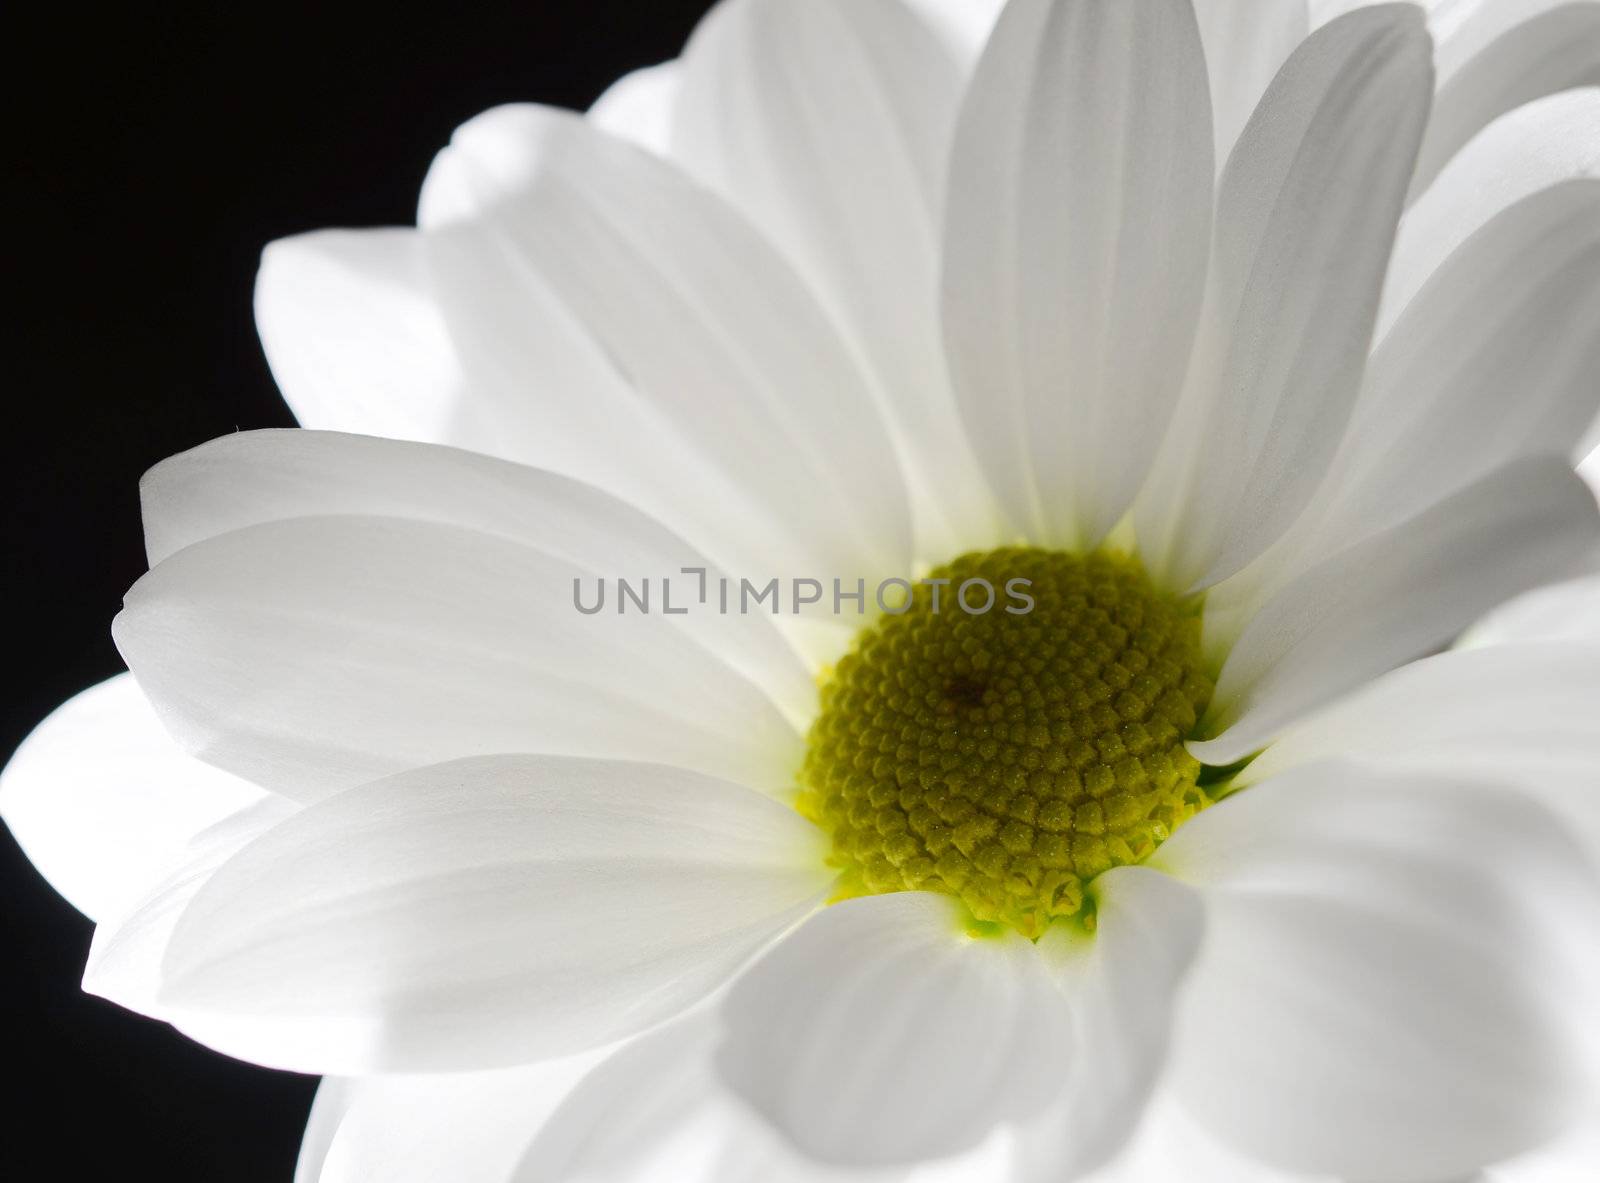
x: 1007, y: 758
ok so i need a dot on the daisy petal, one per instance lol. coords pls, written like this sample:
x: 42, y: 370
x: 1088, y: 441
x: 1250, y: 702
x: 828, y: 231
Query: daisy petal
x: 254, y: 477
x: 828, y: 123
x: 124, y: 964
x: 1389, y: 977
x: 493, y: 154
x: 101, y: 799
x: 658, y: 1109
x: 1538, y: 145
x: 1306, y: 216
x: 1397, y: 596
x: 1569, y: 1160
x: 336, y: 1095
x: 1555, y: 50
x: 1565, y: 612
x: 1170, y: 1144
x: 1121, y: 985
x: 1435, y: 415
x: 316, y: 653
x: 635, y: 331
x: 639, y: 106
x: 963, y: 25
x: 1519, y: 714
x: 420, y: 1129
x: 1075, y: 244
x: 355, y: 339
x: 485, y: 913
x: 880, y: 1033
x: 1245, y: 41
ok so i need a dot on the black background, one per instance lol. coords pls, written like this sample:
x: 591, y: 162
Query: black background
x: 156, y: 150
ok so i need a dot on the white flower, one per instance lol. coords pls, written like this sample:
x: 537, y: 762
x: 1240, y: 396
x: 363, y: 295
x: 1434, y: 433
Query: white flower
x: 856, y: 301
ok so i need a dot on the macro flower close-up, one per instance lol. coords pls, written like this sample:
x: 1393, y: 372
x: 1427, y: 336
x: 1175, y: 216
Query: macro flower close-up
x: 930, y: 590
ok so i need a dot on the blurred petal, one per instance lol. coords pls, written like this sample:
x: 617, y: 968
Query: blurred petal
x: 636, y: 332
x: 828, y: 123
x: 638, y: 106
x: 860, y: 1037
x: 1390, y: 976
x: 1075, y: 252
x: 254, y: 477
x: 101, y: 799
x: 1536, y: 146
x: 320, y: 652
x: 1306, y: 216
x: 486, y: 913
x: 1397, y: 596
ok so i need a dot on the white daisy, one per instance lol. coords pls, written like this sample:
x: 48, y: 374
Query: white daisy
x: 1219, y: 856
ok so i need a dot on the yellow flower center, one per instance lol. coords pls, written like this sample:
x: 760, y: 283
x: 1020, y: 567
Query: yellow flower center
x: 1008, y: 756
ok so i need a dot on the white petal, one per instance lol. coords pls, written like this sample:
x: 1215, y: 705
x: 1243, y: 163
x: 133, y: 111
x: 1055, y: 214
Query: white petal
x: 1566, y: 612
x: 101, y: 799
x: 639, y: 106
x: 1121, y: 985
x: 1569, y: 1160
x: 1465, y: 29
x: 658, y: 1109
x: 316, y: 653
x: 881, y: 1033
x: 485, y: 913
x: 634, y: 331
x: 1246, y: 41
x: 963, y: 25
x: 355, y: 339
x: 490, y: 155
x: 828, y: 123
x: 1519, y: 714
x: 1555, y: 50
x: 336, y: 1095
x: 1512, y: 310
x: 1393, y: 974
x: 1075, y: 246
x: 1171, y: 1145
x: 125, y: 957
x: 265, y: 476
x: 1397, y: 596
x: 1537, y: 145
x: 470, y: 1126
x: 1306, y: 216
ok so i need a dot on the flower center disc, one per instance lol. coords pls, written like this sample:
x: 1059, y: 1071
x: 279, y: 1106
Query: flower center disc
x: 1008, y: 757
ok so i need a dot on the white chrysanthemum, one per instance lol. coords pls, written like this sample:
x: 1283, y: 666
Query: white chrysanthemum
x: 1270, y: 351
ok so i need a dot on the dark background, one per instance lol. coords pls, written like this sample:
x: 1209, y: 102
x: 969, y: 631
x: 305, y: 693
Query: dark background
x: 156, y: 151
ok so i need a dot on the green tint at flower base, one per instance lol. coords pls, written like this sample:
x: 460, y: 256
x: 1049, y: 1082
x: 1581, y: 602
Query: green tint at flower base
x: 1004, y: 758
